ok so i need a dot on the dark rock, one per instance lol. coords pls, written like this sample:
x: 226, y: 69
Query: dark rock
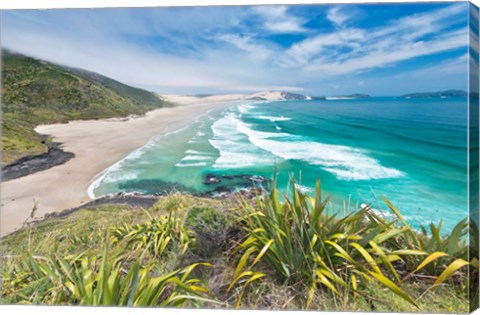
x: 36, y: 163
x: 253, y: 178
x: 318, y: 98
x: 211, y: 179
x: 293, y: 96
x: 258, y: 179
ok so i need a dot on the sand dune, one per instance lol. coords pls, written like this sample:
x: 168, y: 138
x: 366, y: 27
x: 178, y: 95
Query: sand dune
x: 191, y: 99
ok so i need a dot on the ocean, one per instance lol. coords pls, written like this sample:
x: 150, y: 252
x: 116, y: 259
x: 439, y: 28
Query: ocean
x: 412, y: 151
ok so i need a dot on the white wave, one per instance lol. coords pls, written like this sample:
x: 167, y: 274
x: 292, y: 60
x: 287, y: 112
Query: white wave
x: 199, y: 134
x: 278, y: 128
x: 303, y: 189
x: 109, y: 171
x: 245, y: 129
x: 245, y: 108
x: 234, y: 149
x: 119, y: 176
x: 336, y: 98
x: 233, y: 155
x: 96, y: 181
x: 381, y: 213
x: 344, y: 162
x: 196, y: 158
x: 225, y: 128
x: 195, y: 152
x: 274, y: 118
x: 110, y: 174
x: 190, y: 164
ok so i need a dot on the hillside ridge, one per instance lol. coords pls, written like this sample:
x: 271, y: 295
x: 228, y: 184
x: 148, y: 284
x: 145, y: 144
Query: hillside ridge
x: 36, y: 92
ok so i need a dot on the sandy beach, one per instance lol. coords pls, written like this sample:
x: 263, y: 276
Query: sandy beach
x: 97, y: 144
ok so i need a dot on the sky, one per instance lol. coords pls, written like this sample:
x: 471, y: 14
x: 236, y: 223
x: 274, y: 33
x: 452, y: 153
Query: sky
x: 379, y: 49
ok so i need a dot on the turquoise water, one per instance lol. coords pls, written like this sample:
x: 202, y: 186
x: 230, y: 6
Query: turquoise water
x: 413, y: 151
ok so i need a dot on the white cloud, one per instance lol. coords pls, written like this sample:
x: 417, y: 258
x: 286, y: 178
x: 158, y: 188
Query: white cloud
x: 339, y: 15
x: 311, y: 47
x: 277, y: 19
x: 352, y: 50
x: 445, y: 68
x: 377, y: 58
x: 256, y: 51
x: 417, y: 25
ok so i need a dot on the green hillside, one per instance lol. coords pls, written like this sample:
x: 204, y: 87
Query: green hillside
x: 37, y: 92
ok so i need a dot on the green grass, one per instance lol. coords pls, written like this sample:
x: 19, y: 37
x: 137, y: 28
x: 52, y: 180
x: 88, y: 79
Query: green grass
x: 298, y: 243
x: 37, y: 92
x: 278, y: 255
x: 19, y: 139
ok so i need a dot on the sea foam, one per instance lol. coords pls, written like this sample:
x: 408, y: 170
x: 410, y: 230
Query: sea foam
x: 190, y: 164
x: 245, y: 108
x: 196, y: 158
x: 116, y: 172
x: 344, y: 162
x: 235, y: 151
x: 274, y: 118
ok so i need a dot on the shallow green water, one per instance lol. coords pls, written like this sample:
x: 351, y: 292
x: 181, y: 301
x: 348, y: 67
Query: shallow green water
x: 414, y: 152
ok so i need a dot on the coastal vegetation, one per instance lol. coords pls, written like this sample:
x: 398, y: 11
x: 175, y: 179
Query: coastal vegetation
x: 266, y: 252
x: 37, y: 92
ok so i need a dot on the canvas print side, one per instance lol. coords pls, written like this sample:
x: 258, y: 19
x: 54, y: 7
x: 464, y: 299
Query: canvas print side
x: 474, y: 155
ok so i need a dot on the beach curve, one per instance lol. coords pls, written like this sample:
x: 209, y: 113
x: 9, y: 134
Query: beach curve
x: 97, y: 145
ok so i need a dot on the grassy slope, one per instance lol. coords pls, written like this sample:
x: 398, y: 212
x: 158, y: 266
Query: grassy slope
x: 36, y: 92
x: 85, y: 230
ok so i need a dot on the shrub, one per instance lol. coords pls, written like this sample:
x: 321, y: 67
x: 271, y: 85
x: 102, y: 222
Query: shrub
x: 211, y: 227
x: 300, y: 244
x: 444, y: 249
x: 107, y: 279
x: 156, y: 236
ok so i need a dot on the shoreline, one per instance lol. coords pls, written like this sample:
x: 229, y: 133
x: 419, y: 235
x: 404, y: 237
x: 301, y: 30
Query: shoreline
x: 96, y: 180
x: 97, y: 145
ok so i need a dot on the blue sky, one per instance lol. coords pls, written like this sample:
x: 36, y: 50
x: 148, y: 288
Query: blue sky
x: 380, y: 49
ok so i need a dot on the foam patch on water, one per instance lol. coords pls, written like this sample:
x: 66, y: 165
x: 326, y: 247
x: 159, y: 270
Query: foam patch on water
x: 274, y: 118
x: 344, y: 162
x: 120, y: 176
x: 196, y: 158
x: 245, y: 108
x: 303, y: 189
x: 235, y: 151
x: 196, y: 152
x: 190, y: 164
x: 113, y: 174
